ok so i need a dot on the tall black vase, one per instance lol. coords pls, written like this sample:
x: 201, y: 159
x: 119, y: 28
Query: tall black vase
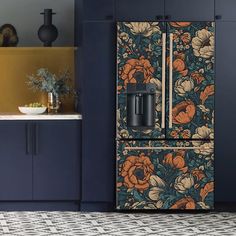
x: 48, y: 32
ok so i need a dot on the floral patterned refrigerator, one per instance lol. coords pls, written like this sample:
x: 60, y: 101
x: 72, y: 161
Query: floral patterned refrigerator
x: 165, y: 115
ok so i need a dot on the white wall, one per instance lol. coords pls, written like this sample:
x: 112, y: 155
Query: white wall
x: 25, y: 16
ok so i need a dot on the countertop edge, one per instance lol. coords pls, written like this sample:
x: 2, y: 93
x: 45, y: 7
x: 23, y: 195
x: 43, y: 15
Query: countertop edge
x: 5, y: 117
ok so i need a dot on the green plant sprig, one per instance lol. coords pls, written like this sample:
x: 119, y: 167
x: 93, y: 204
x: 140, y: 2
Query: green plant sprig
x: 46, y: 81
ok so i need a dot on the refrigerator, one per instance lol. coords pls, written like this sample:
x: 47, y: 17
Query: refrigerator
x: 165, y: 115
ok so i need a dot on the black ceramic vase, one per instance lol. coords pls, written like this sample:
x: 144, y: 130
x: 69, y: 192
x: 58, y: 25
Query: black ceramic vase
x: 48, y: 32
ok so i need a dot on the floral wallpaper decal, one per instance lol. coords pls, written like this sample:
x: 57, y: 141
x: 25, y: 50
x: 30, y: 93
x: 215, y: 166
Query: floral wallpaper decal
x: 165, y: 178
x: 139, y: 50
x: 193, y: 78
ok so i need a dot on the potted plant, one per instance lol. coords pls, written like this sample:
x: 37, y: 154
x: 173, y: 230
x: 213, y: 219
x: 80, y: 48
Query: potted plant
x: 55, y: 85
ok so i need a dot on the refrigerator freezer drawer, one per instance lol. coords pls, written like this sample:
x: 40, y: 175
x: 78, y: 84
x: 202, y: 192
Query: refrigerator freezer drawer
x: 165, y: 175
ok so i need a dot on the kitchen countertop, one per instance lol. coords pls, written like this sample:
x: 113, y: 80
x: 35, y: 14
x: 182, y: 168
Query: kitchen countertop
x: 59, y: 116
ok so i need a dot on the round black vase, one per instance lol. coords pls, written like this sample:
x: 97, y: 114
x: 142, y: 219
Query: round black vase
x: 48, y: 32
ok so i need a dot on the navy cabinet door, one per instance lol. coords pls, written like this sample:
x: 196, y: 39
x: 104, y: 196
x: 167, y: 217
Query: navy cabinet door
x: 98, y: 9
x: 225, y: 10
x: 225, y: 162
x: 98, y: 130
x: 15, y: 162
x: 139, y: 10
x: 56, y: 160
x: 189, y: 10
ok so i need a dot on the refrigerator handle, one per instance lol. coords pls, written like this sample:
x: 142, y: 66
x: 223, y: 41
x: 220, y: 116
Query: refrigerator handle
x: 163, y: 112
x: 166, y: 148
x: 170, y: 80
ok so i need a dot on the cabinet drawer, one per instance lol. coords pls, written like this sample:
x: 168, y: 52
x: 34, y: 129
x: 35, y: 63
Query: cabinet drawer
x: 165, y: 175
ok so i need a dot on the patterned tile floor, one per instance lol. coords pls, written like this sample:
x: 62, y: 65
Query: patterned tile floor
x: 74, y: 223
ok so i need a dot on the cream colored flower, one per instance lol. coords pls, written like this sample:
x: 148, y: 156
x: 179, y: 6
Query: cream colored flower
x: 203, y: 44
x: 124, y: 133
x: 203, y: 108
x: 183, y: 85
x: 205, y: 148
x: 124, y: 36
x: 144, y: 28
x: 157, y: 82
x: 184, y: 182
x: 157, y: 187
x: 155, y: 205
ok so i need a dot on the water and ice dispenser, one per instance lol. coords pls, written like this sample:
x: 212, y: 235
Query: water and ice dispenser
x: 141, y: 105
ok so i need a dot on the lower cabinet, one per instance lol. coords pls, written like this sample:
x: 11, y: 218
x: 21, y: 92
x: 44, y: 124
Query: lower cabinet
x: 15, y: 162
x: 165, y: 175
x: 40, y: 160
x: 56, y: 160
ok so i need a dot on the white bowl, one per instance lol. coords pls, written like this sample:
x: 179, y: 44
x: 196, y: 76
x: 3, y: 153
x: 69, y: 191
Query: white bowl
x: 32, y: 110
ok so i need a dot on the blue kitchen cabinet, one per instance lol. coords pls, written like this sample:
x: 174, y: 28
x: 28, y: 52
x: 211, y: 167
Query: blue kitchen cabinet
x: 139, y: 10
x: 225, y: 161
x: 98, y: 9
x: 225, y: 10
x: 15, y: 161
x: 98, y: 128
x: 189, y: 10
x: 56, y: 160
x: 40, y: 160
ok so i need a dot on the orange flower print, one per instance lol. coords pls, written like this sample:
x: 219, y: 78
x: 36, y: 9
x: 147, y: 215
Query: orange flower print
x: 208, y: 188
x: 134, y: 66
x: 183, y: 112
x: 198, y: 174
x: 208, y: 91
x: 179, y: 64
x: 186, y: 37
x: 186, y: 134
x: 184, y: 203
x: 198, y: 77
x: 174, y: 134
x: 177, y: 24
x: 136, y: 171
x: 176, y: 160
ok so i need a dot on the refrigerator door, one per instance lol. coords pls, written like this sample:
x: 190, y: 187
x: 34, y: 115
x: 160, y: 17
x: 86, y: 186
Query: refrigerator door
x: 190, y: 72
x: 165, y: 175
x: 141, y: 63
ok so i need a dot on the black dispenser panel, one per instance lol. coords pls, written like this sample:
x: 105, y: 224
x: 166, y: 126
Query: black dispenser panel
x: 141, y: 105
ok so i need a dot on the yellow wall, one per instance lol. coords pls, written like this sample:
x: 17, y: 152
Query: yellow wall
x: 17, y: 63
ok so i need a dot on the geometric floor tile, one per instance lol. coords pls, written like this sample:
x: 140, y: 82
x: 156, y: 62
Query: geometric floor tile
x: 116, y: 224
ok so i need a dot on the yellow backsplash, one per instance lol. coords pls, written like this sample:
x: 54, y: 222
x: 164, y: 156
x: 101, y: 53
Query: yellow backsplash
x: 17, y: 63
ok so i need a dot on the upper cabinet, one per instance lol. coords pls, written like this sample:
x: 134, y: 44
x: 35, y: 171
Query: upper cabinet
x: 139, y: 10
x: 98, y: 9
x: 190, y: 10
x: 225, y: 10
x: 152, y: 10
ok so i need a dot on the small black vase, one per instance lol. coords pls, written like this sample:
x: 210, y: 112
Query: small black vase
x: 48, y: 32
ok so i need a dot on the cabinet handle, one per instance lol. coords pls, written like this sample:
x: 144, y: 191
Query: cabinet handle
x: 163, y: 80
x: 218, y: 17
x: 28, y: 138
x: 167, y: 17
x: 165, y: 148
x: 170, y: 80
x: 109, y: 17
x: 36, y: 139
x: 159, y: 17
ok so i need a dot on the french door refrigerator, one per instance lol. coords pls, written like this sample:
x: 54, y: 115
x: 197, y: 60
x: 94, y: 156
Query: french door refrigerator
x: 165, y: 115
